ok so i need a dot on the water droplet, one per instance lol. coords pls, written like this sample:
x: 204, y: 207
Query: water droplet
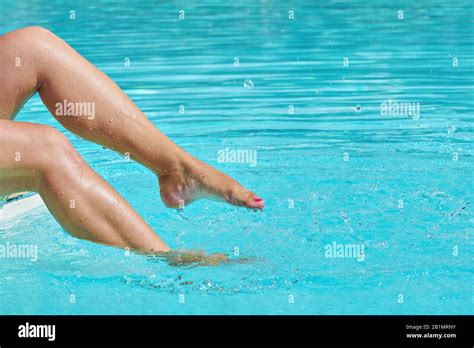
x: 248, y: 83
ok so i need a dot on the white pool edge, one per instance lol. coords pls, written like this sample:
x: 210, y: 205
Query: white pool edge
x: 11, y: 209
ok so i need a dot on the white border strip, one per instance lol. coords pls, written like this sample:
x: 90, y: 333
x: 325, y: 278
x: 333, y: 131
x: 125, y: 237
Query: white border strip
x: 10, y: 210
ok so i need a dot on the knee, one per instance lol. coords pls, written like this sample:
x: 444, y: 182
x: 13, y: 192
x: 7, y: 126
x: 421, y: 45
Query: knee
x: 33, y: 35
x: 57, y: 150
x: 35, y: 30
x: 58, y: 159
x: 51, y: 136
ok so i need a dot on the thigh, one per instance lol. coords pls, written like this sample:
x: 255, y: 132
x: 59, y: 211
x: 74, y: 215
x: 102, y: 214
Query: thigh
x: 21, y: 155
x: 18, y: 71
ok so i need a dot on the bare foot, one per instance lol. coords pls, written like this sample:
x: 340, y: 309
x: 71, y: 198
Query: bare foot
x: 197, y: 258
x: 191, y: 179
x: 189, y: 258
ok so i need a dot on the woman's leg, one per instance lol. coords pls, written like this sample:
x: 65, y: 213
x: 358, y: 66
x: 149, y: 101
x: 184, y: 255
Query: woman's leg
x: 60, y: 74
x: 40, y: 159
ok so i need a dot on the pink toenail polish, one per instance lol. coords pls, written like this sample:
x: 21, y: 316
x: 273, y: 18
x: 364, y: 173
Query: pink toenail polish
x: 258, y: 200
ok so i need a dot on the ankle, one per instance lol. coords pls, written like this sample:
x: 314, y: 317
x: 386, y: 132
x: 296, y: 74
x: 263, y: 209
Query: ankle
x: 172, y: 163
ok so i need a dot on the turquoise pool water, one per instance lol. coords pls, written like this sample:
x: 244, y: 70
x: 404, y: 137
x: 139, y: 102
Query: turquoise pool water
x: 361, y: 119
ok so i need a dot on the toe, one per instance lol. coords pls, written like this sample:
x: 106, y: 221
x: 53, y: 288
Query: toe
x: 256, y: 203
x: 243, y: 197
